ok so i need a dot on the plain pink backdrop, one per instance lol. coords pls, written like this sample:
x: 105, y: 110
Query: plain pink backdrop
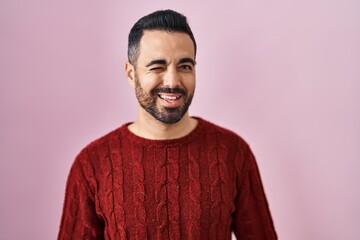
x: 283, y: 74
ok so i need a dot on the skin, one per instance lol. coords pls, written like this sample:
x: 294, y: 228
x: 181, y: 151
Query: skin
x: 165, y: 60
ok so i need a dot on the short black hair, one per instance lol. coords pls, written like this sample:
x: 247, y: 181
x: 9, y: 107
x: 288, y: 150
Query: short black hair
x: 164, y: 20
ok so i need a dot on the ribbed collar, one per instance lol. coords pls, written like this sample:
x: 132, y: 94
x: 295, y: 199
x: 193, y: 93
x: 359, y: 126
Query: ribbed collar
x: 125, y: 132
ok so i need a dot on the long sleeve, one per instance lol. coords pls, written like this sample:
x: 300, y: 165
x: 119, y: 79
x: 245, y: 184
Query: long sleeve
x: 79, y: 219
x: 252, y: 219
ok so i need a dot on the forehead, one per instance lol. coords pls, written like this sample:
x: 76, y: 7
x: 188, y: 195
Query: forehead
x: 165, y: 45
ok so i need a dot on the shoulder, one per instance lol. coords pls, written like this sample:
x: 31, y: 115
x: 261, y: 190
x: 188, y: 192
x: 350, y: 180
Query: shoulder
x: 106, y: 138
x: 100, y: 147
x: 223, y: 134
x: 230, y: 144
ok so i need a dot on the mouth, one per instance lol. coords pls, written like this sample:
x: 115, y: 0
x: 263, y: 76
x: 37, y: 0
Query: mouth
x: 170, y: 99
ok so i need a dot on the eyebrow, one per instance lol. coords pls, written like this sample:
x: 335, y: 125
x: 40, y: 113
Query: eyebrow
x: 162, y: 61
x: 187, y: 60
x: 153, y: 62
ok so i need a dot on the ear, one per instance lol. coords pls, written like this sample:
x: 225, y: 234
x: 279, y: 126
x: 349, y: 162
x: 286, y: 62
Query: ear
x: 130, y: 73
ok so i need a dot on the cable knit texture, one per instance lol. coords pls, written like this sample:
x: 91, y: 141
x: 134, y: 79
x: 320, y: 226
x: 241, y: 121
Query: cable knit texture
x: 202, y: 186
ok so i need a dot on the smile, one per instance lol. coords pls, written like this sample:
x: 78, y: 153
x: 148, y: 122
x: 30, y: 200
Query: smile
x: 168, y: 97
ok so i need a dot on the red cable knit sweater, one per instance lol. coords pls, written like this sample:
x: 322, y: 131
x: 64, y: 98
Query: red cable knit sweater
x: 201, y: 186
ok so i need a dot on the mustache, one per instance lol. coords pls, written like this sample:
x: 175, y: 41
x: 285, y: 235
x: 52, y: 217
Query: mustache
x: 159, y: 90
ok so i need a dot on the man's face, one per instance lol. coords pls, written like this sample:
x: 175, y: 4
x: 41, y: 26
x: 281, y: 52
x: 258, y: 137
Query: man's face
x: 164, y: 75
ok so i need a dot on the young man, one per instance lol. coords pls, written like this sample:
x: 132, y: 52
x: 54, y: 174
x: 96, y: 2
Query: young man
x: 166, y: 175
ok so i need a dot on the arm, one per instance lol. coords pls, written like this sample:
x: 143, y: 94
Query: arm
x: 79, y: 219
x: 252, y: 219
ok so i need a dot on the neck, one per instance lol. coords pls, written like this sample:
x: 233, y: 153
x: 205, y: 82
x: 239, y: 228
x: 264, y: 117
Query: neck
x: 148, y: 127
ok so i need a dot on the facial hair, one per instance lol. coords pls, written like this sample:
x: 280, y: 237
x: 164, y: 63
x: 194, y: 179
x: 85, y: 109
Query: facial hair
x: 167, y: 115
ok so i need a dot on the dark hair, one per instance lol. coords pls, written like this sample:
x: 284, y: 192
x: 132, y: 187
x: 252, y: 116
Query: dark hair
x: 165, y: 20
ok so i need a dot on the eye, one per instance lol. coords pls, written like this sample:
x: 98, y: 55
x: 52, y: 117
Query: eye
x: 156, y: 69
x: 186, y: 67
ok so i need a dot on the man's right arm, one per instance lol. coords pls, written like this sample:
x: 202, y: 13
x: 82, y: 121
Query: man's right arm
x: 79, y: 219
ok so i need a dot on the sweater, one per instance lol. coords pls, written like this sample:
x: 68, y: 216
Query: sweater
x: 205, y: 185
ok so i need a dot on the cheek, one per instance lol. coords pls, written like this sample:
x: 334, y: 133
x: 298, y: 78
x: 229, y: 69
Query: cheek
x: 150, y: 82
x: 190, y: 85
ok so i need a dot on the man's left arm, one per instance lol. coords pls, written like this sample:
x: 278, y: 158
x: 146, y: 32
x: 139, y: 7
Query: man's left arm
x: 252, y: 218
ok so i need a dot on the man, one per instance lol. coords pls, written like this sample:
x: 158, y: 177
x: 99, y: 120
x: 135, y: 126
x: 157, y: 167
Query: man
x: 166, y: 175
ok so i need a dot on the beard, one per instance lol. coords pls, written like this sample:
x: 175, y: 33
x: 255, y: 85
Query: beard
x: 167, y: 115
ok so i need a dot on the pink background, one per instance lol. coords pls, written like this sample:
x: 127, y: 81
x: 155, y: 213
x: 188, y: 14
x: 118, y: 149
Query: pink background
x: 283, y: 74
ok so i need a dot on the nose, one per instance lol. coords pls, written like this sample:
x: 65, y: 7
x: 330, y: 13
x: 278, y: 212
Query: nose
x: 172, y: 77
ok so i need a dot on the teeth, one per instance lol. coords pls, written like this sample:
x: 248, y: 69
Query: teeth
x: 169, y: 97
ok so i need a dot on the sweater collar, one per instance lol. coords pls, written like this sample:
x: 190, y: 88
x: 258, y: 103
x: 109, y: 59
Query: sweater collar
x: 125, y: 132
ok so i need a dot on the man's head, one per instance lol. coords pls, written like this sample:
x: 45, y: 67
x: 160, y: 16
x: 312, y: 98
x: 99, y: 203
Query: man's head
x: 161, y: 65
x: 163, y: 20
